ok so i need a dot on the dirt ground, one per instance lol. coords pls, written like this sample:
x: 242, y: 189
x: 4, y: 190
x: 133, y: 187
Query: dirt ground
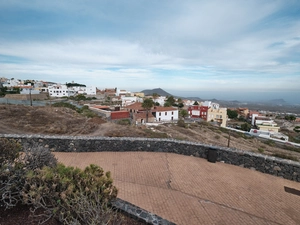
x: 19, y: 119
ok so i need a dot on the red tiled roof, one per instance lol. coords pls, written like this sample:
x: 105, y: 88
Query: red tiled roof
x: 135, y: 106
x: 143, y: 115
x: 163, y: 109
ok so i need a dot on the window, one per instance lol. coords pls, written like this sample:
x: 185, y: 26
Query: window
x: 166, y: 113
x: 159, y: 114
x: 172, y: 114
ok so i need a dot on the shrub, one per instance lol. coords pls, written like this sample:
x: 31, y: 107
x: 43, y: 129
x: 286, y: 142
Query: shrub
x: 14, y: 167
x: 261, y: 150
x: 9, y: 151
x: 60, y: 192
x: 37, y: 157
x: 217, y: 136
x: 181, y: 123
x: 270, y: 143
x: 124, y: 122
x: 11, y: 173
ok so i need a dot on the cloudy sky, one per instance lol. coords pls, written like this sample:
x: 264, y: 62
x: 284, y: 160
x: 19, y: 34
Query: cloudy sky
x: 213, y: 48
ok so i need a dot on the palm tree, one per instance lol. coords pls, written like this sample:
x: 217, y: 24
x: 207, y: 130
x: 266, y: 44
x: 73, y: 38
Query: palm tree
x: 147, y: 105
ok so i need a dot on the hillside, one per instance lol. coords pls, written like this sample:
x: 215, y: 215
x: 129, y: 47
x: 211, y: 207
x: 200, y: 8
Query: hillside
x: 18, y: 119
x: 158, y: 91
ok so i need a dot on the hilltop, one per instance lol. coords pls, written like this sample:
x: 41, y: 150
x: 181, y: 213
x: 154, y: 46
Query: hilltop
x: 158, y: 91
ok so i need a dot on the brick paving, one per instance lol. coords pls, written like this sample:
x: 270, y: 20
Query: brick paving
x: 189, y: 190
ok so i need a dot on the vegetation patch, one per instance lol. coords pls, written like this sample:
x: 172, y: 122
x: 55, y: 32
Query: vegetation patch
x: 285, y: 156
x: 53, y: 190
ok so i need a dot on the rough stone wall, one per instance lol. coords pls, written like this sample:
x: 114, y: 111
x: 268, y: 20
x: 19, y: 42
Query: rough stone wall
x: 41, y: 96
x: 279, y: 167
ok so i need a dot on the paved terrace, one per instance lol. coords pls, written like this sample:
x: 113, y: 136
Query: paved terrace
x: 189, y: 190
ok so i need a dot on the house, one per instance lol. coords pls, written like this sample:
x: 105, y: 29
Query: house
x: 128, y: 100
x: 60, y: 90
x: 90, y: 90
x: 135, y: 107
x: 28, y: 89
x: 141, y: 117
x: 198, y: 111
x: 209, y: 111
x: 217, y: 114
x: 243, y: 112
x: 139, y: 94
x: 188, y: 102
x: 110, y: 92
x: 165, y: 114
x: 122, y: 92
x: 160, y: 100
x: 264, y: 123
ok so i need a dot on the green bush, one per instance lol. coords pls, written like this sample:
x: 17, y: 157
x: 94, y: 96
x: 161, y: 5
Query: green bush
x: 59, y: 192
x: 261, y: 150
x: 14, y: 167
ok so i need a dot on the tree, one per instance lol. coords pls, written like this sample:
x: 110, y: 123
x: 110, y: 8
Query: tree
x: 171, y: 100
x: 147, y: 105
x: 180, y: 105
x: 196, y: 103
x: 183, y: 113
x: 232, y: 114
x: 167, y: 104
x: 246, y: 126
x: 290, y: 117
x: 155, y: 95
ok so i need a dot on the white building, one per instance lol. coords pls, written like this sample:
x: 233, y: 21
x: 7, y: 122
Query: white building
x: 165, y: 114
x: 12, y: 83
x: 161, y: 100
x: 210, y: 104
x: 130, y: 100
x: 123, y: 93
x: 60, y: 90
x: 91, y: 90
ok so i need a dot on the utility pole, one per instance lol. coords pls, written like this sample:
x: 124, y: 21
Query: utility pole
x: 228, y: 144
x: 30, y: 96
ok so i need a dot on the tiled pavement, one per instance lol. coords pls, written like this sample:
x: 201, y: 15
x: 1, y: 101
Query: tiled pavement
x: 189, y: 190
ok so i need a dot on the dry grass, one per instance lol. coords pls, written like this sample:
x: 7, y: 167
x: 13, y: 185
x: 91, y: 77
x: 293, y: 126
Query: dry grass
x: 64, y: 121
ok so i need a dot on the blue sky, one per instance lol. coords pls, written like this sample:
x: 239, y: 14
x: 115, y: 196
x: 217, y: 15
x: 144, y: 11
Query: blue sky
x: 186, y: 47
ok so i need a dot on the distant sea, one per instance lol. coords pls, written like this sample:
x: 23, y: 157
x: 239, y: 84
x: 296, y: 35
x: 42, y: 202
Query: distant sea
x: 292, y: 98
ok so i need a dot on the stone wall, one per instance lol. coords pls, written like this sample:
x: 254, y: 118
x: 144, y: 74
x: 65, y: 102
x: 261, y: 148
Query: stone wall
x: 41, y: 96
x: 279, y: 167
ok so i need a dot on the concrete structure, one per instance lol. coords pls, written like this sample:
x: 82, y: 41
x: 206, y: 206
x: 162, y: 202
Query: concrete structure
x: 122, y: 92
x: 160, y: 100
x: 243, y: 112
x: 165, y: 114
x: 219, y: 115
x: 197, y: 111
x: 12, y: 83
x: 60, y: 90
x: 128, y: 100
x: 139, y: 94
x: 90, y: 90
x: 117, y: 115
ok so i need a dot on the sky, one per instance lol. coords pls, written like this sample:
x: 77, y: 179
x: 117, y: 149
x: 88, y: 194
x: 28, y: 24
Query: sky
x: 219, y: 49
